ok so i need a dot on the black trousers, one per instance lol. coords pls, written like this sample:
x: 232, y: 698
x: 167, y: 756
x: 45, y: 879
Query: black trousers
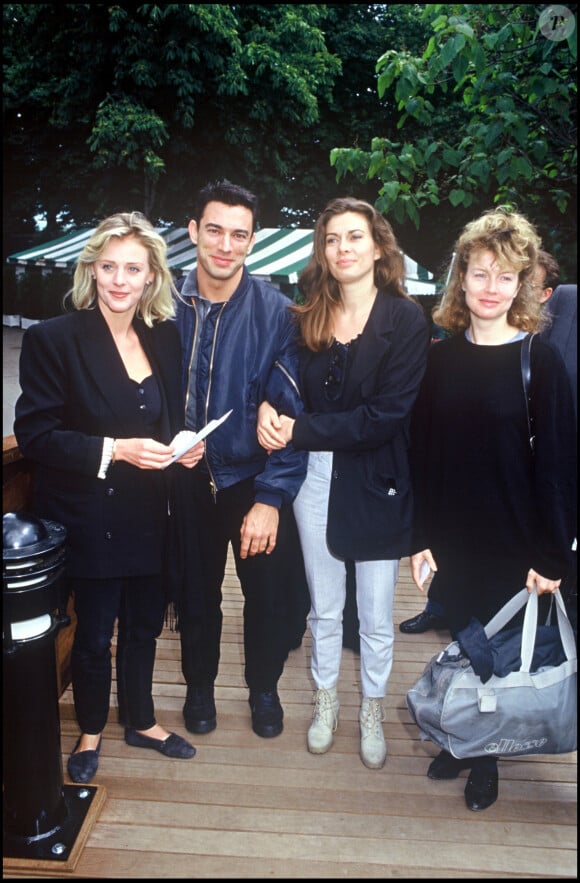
x: 138, y: 603
x: 274, y: 587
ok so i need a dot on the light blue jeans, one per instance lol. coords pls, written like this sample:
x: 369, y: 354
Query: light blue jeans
x: 326, y: 574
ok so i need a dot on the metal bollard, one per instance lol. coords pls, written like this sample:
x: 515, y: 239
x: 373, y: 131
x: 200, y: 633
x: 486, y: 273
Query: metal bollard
x: 33, y: 562
x: 44, y: 821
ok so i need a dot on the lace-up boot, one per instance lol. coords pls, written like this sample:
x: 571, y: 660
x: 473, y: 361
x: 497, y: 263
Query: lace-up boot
x: 324, y: 721
x: 373, y: 748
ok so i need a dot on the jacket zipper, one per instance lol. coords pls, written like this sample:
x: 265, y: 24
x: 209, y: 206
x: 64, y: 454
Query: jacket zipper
x: 212, y: 482
x: 194, y: 305
x: 288, y: 377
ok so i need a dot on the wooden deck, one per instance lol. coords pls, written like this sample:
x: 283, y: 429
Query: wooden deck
x: 246, y: 807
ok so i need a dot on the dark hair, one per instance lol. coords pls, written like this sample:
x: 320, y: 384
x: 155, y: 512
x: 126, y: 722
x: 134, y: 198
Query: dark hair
x: 228, y: 193
x: 550, y: 265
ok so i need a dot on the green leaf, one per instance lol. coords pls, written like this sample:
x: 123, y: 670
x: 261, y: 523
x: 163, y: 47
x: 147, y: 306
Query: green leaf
x: 456, y: 197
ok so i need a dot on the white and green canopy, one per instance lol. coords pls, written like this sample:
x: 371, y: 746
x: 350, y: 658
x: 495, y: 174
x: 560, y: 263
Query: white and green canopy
x: 279, y: 254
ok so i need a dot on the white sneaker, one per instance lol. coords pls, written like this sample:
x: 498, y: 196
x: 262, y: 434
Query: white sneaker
x: 373, y: 748
x: 324, y: 721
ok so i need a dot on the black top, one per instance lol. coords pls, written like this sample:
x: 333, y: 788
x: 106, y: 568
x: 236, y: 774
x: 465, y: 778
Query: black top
x: 486, y: 507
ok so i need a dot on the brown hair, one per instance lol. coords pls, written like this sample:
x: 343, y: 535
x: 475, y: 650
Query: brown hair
x: 320, y: 289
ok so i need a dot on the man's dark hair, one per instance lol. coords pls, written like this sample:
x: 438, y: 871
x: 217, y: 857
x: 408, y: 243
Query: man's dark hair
x: 228, y: 193
x: 551, y: 267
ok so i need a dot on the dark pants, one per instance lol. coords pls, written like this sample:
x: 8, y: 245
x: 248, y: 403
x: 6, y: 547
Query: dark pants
x: 139, y: 604
x: 273, y: 586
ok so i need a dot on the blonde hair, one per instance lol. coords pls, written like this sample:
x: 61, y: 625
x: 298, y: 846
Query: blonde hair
x: 515, y: 244
x: 156, y: 303
x: 320, y: 289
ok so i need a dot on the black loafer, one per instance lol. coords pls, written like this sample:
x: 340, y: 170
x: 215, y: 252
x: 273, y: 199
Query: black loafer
x: 172, y: 746
x: 445, y: 766
x: 267, y: 714
x: 199, y: 711
x: 422, y: 623
x: 82, y: 765
x: 482, y: 788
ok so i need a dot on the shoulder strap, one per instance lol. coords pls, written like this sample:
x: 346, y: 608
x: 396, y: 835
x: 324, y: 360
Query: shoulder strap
x: 526, y: 366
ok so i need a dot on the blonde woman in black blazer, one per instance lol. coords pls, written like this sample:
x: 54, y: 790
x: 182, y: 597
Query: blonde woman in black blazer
x: 100, y: 404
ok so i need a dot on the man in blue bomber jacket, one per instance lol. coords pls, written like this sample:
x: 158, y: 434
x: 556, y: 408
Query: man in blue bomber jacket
x: 239, y: 348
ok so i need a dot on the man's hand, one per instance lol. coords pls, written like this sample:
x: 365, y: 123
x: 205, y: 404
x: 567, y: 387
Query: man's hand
x: 259, y: 530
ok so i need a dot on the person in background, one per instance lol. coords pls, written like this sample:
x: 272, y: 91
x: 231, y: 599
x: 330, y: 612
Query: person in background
x: 99, y: 407
x: 491, y: 515
x: 239, y: 347
x: 562, y: 334
x: 361, y: 363
x: 545, y: 278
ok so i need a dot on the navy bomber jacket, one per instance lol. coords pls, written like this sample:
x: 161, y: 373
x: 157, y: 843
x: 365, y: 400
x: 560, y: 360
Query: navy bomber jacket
x: 243, y: 351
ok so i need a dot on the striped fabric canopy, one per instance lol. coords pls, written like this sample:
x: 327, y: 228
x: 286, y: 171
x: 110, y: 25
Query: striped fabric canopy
x: 279, y: 254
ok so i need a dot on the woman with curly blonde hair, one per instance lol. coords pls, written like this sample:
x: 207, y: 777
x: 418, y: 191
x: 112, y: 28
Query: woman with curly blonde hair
x: 514, y: 242
x: 491, y: 515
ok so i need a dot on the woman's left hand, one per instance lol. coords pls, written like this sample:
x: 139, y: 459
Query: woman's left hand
x: 541, y: 583
x: 192, y: 457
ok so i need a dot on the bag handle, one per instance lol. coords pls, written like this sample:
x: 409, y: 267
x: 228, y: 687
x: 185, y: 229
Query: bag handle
x: 529, y: 630
x: 509, y: 610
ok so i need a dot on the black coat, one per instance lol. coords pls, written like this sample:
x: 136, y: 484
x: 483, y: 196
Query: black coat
x: 370, y: 505
x: 75, y: 392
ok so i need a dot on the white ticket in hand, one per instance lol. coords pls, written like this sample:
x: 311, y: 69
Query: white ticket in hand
x: 187, y: 439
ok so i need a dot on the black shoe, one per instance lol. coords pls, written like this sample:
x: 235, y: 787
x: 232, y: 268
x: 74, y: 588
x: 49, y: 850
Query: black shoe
x: 422, y: 623
x: 172, y: 746
x: 82, y: 765
x: 482, y: 788
x: 267, y: 714
x: 199, y: 711
x: 445, y: 766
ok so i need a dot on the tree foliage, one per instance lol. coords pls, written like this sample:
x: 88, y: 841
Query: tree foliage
x: 486, y: 114
x: 138, y: 105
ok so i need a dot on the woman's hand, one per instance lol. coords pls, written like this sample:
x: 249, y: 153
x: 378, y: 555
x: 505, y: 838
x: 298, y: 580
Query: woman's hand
x: 269, y: 428
x: 421, y: 562
x: 192, y: 457
x: 541, y: 583
x: 144, y: 453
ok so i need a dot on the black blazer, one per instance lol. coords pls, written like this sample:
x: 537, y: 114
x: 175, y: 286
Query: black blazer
x: 370, y: 504
x: 75, y: 391
x: 563, y: 331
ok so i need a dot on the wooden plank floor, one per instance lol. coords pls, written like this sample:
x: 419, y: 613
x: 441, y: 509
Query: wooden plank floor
x: 246, y: 807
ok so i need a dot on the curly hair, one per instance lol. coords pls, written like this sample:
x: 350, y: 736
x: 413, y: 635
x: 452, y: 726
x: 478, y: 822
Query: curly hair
x: 515, y: 243
x: 320, y: 289
x: 157, y: 303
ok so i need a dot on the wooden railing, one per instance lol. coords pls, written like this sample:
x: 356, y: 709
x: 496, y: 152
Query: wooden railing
x: 17, y: 475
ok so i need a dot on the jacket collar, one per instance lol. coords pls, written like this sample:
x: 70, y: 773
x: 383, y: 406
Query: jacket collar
x: 104, y: 364
x: 371, y: 346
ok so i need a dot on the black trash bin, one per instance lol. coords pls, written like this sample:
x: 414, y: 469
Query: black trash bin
x: 40, y: 820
